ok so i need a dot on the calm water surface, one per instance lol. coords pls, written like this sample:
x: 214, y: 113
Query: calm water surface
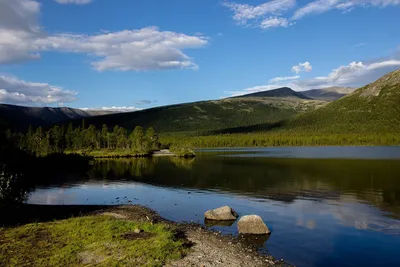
x: 325, y: 206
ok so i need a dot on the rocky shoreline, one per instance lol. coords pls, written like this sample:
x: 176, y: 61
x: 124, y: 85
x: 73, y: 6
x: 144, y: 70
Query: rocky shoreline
x: 207, y: 248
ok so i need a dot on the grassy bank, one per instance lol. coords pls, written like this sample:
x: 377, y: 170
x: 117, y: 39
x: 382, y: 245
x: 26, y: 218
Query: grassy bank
x: 104, y: 153
x: 97, y: 239
x: 183, y: 152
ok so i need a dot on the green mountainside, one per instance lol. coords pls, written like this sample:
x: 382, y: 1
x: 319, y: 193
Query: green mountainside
x: 205, y: 116
x: 371, y: 109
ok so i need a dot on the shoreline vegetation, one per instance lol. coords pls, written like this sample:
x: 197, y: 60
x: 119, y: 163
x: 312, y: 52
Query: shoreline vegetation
x: 282, y: 139
x: 91, y: 142
x: 104, y: 154
x: 115, y: 235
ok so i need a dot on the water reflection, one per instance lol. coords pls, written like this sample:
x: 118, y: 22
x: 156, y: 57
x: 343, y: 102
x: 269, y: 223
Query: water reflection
x: 319, y: 211
x: 211, y: 223
x: 257, y: 241
x: 375, y: 182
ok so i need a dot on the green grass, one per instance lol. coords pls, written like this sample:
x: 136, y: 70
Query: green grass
x: 93, y: 240
x: 105, y: 153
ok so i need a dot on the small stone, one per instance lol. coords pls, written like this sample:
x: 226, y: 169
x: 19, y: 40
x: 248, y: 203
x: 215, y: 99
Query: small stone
x: 138, y: 231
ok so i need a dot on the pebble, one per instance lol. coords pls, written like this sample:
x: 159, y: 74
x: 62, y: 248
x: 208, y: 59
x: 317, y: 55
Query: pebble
x: 138, y: 231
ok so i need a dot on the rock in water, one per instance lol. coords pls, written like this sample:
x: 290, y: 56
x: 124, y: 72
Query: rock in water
x: 221, y: 214
x: 252, y: 224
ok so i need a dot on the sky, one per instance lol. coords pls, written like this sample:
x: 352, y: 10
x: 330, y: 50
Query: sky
x: 128, y: 55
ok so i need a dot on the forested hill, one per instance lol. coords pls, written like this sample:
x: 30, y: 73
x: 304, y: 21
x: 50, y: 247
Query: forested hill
x: 374, y: 108
x: 19, y: 118
x: 284, y: 92
x: 200, y: 117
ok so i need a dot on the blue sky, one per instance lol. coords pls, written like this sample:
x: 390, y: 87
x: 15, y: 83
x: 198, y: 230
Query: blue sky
x: 139, y: 54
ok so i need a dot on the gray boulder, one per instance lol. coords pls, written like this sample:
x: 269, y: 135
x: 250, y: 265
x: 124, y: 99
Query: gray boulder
x: 252, y: 224
x: 221, y: 214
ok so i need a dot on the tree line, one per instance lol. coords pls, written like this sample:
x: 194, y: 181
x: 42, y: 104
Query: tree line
x: 279, y: 139
x: 59, y: 139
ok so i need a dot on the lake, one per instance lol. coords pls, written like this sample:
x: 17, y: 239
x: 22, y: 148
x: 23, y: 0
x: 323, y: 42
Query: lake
x: 325, y: 206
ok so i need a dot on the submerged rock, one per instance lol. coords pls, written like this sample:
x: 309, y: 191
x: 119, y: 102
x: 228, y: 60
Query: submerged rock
x: 221, y: 214
x: 252, y: 224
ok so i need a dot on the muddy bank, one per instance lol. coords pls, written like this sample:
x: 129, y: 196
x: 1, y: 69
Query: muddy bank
x: 207, y: 248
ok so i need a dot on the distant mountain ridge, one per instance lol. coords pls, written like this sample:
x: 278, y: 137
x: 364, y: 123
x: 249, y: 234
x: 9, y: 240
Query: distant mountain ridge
x: 283, y: 92
x: 20, y: 118
x: 328, y: 94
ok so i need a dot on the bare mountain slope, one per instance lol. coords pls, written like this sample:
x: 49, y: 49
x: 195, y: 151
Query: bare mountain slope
x: 328, y: 94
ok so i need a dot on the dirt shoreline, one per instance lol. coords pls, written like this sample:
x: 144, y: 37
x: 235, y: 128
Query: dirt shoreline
x: 207, y: 248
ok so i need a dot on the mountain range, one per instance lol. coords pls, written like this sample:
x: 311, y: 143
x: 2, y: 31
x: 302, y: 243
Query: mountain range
x: 372, y: 108
x: 20, y: 118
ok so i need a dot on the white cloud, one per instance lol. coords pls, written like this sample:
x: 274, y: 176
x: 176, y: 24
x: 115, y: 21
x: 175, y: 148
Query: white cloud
x: 15, y: 91
x: 18, y: 29
x: 114, y: 109
x: 244, y: 13
x: 306, y: 66
x: 322, y: 6
x: 136, y: 50
x: 359, y: 45
x: 276, y: 13
x: 79, y: 2
x: 282, y: 79
x: 273, y: 22
x: 355, y: 74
